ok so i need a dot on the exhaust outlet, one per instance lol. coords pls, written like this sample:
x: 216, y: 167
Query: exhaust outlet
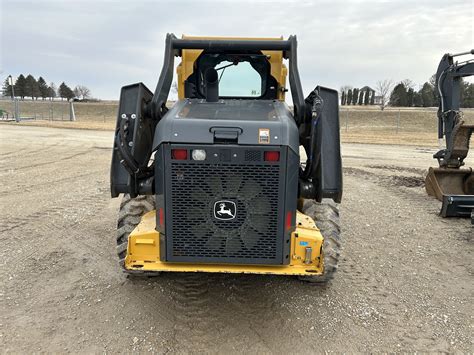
x: 211, y: 78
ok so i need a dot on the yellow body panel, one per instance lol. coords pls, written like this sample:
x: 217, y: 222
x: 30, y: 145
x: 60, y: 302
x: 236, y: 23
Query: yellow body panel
x: 189, y: 56
x: 143, y: 252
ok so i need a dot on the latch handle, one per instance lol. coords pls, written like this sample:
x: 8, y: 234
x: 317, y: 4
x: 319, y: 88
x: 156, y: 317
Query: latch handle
x: 226, y: 134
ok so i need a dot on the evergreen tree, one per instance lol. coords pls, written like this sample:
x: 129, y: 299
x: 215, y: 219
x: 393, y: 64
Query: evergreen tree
x: 349, y: 97
x: 360, y: 101
x: 410, y: 97
x: 427, y: 95
x: 372, y: 98
x: 366, y: 96
x: 398, y: 97
x: 417, y: 99
x: 7, y: 88
x: 43, y: 87
x: 343, y: 98
x: 65, y: 91
x: 20, y: 87
x: 31, y: 88
x: 355, y: 96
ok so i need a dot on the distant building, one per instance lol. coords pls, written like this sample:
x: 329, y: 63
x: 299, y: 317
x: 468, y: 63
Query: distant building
x: 378, y: 100
x: 360, y: 93
x: 363, y: 91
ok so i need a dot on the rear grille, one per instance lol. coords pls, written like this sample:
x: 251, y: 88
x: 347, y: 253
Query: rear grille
x: 253, y: 155
x: 197, y: 189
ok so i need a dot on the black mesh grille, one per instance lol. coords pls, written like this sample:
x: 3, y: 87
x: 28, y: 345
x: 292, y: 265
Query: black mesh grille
x: 253, y: 155
x: 252, y: 234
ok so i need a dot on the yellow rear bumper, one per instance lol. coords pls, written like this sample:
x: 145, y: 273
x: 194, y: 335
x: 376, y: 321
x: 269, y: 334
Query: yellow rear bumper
x: 143, y: 253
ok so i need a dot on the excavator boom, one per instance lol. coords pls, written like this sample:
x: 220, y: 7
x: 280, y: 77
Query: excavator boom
x: 450, y: 183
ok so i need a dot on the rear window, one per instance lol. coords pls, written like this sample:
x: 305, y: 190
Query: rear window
x: 240, y: 80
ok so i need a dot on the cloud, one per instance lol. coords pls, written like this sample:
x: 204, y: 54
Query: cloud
x: 105, y: 45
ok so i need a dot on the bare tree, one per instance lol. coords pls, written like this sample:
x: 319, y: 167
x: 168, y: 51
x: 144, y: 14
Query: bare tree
x: 82, y: 92
x: 409, y: 84
x: 346, y: 88
x: 383, y: 89
x: 52, y: 91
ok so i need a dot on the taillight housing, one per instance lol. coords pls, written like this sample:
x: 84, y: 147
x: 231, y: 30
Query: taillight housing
x: 179, y: 154
x: 288, y: 220
x: 272, y: 155
x: 162, y: 217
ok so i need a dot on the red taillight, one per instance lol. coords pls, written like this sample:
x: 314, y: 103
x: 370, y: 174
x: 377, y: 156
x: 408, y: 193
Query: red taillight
x: 179, y: 154
x: 272, y: 156
x: 289, y: 217
x: 162, y: 217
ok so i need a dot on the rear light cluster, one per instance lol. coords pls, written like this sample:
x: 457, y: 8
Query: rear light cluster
x: 182, y: 154
x: 200, y: 154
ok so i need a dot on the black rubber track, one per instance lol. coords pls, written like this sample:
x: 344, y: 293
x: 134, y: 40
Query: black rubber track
x: 326, y: 217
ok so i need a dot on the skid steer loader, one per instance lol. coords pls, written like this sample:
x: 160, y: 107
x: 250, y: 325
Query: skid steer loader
x: 214, y: 183
x: 450, y: 183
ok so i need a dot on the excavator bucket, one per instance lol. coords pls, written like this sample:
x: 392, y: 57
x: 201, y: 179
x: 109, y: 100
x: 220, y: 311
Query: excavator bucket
x: 454, y: 188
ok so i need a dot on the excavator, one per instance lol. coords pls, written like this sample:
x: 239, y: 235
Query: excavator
x: 450, y: 183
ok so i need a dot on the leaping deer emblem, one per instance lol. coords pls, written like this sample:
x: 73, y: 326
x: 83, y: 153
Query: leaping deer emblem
x: 223, y: 211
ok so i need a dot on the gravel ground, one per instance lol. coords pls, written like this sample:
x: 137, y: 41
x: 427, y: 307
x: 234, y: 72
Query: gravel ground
x: 405, y: 281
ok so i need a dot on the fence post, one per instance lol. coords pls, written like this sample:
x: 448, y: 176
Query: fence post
x: 14, y: 109
x: 72, y: 115
x: 17, y: 110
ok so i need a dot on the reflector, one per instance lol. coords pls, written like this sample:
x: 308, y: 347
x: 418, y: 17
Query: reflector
x: 289, y: 216
x: 162, y: 217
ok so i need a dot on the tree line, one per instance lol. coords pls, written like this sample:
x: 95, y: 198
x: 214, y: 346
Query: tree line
x: 402, y: 94
x: 30, y: 87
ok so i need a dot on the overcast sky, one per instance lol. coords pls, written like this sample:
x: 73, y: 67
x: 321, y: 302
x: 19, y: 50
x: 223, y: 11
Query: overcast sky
x: 107, y: 44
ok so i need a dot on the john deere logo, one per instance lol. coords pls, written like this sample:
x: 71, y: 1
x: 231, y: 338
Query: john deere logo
x: 225, y: 210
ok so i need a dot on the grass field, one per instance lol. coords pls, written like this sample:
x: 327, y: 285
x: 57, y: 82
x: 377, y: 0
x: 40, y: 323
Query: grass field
x: 359, y: 124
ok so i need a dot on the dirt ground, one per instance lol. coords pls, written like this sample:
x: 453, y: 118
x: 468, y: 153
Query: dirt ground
x: 405, y: 281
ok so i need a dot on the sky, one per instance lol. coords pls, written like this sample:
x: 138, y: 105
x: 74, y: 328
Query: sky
x: 105, y: 45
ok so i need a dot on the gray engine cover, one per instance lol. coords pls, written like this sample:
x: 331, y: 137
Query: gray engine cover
x: 196, y: 121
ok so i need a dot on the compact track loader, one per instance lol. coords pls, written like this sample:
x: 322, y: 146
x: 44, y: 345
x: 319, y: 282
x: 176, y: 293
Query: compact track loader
x: 450, y: 183
x: 215, y: 182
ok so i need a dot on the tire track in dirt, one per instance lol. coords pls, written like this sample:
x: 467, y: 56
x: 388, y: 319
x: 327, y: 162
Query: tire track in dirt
x: 92, y: 201
x: 29, y: 151
x: 32, y: 184
x: 195, y: 324
x: 254, y: 310
x: 50, y: 162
